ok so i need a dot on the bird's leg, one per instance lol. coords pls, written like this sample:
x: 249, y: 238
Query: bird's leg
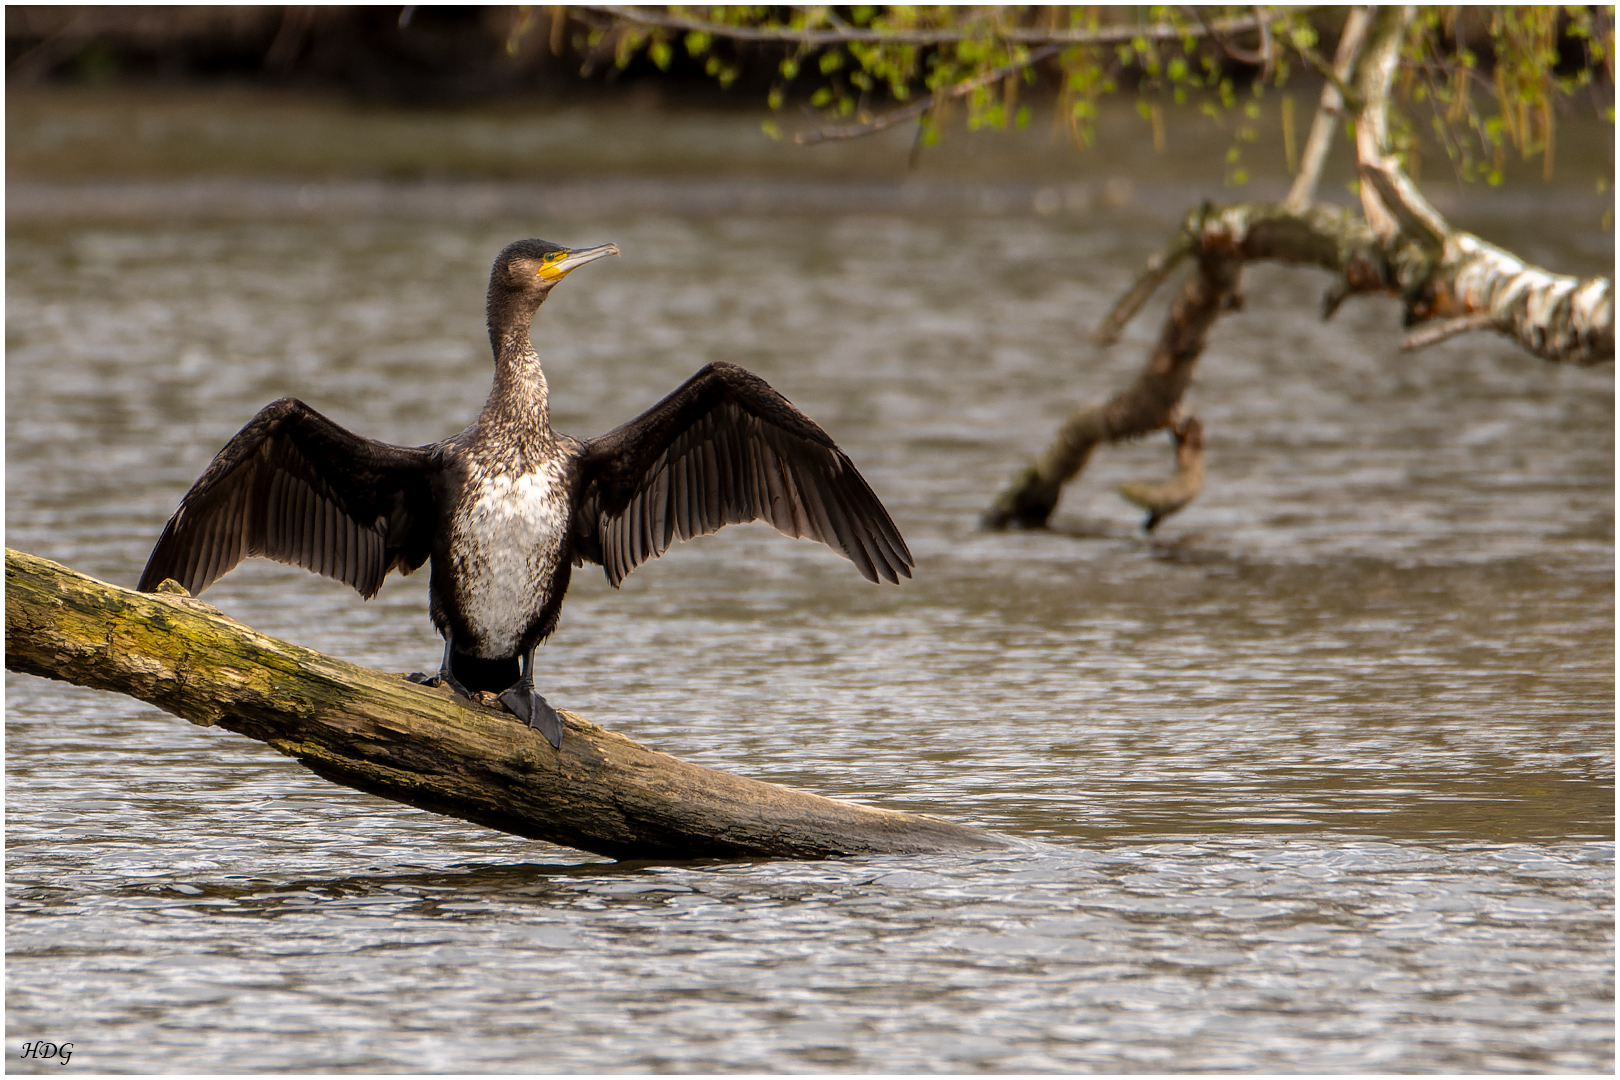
x: 444, y: 677
x: 527, y: 704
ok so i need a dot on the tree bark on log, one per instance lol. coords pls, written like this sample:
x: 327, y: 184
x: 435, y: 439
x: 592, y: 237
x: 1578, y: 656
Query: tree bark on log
x: 374, y: 731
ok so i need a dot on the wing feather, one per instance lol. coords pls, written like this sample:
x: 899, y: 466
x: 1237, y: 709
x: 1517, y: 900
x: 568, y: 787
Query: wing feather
x: 682, y: 470
x: 206, y: 558
x: 295, y: 487
x: 322, y: 535
x: 725, y: 448
x: 351, y: 552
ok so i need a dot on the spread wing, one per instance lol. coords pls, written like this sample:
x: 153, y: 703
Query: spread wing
x: 725, y: 448
x: 295, y: 487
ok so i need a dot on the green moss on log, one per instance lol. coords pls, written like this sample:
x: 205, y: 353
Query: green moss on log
x: 375, y: 731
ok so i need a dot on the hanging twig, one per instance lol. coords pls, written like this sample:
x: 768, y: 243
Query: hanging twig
x: 921, y: 106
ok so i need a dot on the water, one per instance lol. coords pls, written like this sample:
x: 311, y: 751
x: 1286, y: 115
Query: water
x: 1321, y: 779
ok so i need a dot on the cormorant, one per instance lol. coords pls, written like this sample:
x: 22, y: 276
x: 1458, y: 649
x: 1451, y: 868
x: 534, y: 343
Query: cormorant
x: 508, y: 507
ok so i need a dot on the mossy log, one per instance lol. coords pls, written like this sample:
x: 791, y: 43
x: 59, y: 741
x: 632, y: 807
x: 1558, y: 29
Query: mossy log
x: 426, y: 747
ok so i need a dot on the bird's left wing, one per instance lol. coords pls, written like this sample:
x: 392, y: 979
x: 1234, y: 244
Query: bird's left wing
x: 725, y: 448
x: 295, y: 487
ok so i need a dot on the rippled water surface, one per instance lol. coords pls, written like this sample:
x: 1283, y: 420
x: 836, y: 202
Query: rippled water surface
x: 1319, y: 779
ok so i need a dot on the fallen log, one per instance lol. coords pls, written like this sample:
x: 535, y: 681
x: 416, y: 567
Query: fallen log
x: 370, y: 730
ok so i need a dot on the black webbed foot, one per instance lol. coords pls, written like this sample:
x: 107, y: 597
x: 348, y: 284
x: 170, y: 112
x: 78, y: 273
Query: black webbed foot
x: 527, y: 705
x: 445, y: 677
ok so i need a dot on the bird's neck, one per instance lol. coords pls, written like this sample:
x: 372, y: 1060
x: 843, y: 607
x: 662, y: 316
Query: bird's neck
x: 517, y: 401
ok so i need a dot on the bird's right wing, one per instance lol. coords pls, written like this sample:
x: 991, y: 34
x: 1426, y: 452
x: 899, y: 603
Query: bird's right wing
x: 295, y: 487
x: 726, y: 448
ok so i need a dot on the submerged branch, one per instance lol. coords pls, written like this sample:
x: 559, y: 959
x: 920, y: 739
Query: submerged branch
x: 1221, y: 241
x: 381, y: 734
x: 1161, y: 500
x: 1439, y: 272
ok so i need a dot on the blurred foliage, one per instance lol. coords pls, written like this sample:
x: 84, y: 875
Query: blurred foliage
x: 1492, y: 79
x: 1478, y: 113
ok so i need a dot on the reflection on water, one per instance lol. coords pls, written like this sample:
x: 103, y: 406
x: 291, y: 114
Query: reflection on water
x: 1320, y: 780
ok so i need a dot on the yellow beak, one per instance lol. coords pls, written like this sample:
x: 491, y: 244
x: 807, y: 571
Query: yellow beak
x: 561, y: 263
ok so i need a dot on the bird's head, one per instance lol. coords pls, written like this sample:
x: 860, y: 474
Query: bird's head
x: 524, y: 273
x: 529, y: 268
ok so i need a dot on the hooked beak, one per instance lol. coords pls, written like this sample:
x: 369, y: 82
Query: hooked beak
x: 555, y: 268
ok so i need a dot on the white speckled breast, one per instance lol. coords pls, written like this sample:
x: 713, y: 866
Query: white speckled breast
x: 505, y: 544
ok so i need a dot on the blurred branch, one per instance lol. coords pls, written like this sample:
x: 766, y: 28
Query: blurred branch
x: 1328, y: 110
x: 1222, y: 240
x: 1159, y: 266
x: 1444, y: 273
x: 1261, y: 59
x: 1268, y: 47
x: 1440, y: 273
x: 1433, y: 335
x: 1416, y: 215
x: 1161, y: 499
x: 842, y: 33
x: 1374, y: 80
x: 34, y: 63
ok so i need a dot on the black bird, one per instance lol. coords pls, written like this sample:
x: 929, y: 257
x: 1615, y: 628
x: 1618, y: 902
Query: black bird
x: 508, y: 507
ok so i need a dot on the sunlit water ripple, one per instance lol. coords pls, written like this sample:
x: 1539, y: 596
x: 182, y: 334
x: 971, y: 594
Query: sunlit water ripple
x: 1319, y: 780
